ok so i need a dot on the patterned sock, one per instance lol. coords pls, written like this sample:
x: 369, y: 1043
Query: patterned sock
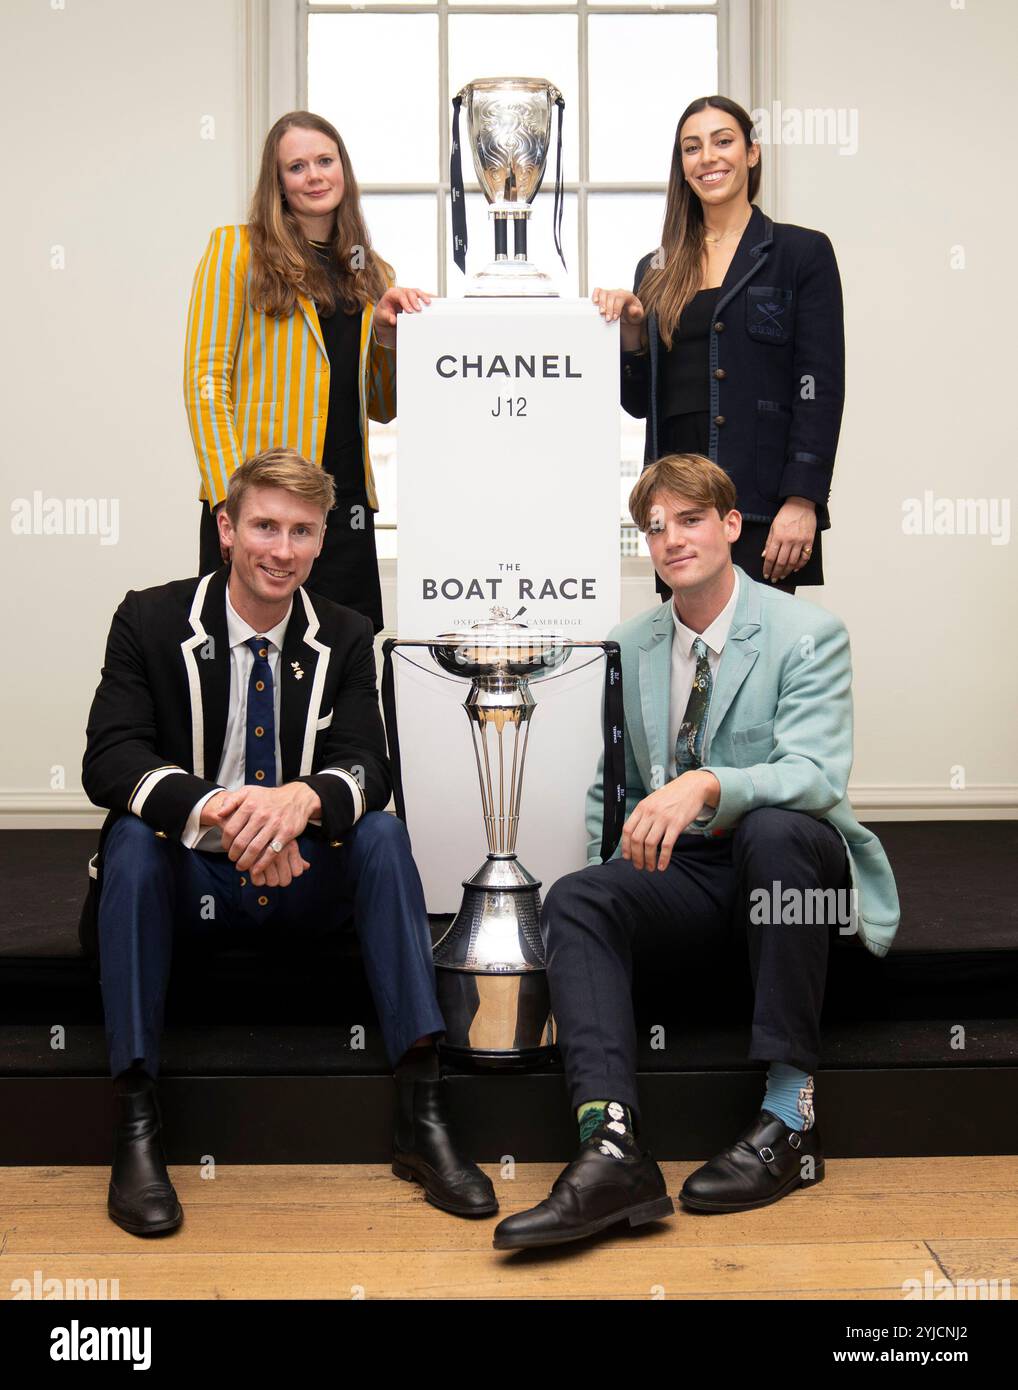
x: 789, y: 1095
x: 609, y: 1115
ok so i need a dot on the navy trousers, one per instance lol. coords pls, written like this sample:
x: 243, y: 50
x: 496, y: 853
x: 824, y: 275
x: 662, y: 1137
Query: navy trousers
x: 701, y: 902
x: 154, y: 889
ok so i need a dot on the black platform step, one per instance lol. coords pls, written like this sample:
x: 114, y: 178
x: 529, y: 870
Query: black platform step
x: 56, y: 1121
x: 259, y: 1062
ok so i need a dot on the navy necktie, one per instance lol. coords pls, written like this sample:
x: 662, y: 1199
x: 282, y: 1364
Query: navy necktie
x: 258, y: 900
x: 260, y: 742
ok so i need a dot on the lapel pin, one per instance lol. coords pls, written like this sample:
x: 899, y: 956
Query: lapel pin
x: 296, y: 668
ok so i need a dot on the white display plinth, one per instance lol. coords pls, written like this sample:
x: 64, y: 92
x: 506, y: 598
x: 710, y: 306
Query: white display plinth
x: 509, y: 448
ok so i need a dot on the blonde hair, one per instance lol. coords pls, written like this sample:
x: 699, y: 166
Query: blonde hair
x: 283, y: 262
x: 684, y: 475
x: 284, y: 468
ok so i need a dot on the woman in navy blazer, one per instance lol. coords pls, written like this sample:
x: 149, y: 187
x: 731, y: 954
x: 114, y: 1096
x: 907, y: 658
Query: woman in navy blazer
x: 733, y: 344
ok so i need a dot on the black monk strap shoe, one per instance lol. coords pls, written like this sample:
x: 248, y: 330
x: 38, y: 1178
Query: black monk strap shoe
x: 423, y: 1152
x: 141, y: 1198
x: 766, y: 1162
x: 609, y: 1181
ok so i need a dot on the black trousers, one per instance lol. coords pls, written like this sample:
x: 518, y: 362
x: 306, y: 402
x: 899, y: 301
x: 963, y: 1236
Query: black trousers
x: 701, y: 904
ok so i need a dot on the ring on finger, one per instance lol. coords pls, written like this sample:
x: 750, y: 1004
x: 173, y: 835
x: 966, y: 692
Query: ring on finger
x: 276, y: 846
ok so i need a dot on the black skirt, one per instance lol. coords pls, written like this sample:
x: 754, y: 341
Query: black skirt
x: 347, y: 569
x: 690, y: 434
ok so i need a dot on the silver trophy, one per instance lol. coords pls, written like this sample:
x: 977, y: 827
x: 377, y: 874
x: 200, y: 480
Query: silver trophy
x: 509, y: 122
x: 490, y: 967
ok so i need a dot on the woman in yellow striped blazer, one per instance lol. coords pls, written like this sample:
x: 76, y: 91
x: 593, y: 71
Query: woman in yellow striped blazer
x: 291, y: 341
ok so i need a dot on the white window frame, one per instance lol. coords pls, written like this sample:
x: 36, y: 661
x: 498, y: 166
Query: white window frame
x: 273, y: 58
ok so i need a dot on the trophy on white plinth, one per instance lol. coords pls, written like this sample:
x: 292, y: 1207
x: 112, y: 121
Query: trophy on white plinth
x: 509, y: 129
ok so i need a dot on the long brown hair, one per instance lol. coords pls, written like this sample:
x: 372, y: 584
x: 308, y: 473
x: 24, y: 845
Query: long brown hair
x: 283, y: 262
x: 675, y: 272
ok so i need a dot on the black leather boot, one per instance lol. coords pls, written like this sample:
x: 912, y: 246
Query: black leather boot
x: 423, y: 1151
x: 141, y: 1198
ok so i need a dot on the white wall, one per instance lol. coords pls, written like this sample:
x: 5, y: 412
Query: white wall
x: 104, y: 105
x: 105, y: 108
x: 931, y: 355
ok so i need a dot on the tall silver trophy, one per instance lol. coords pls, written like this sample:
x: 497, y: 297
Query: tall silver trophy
x: 490, y: 965
x: 509, y: 122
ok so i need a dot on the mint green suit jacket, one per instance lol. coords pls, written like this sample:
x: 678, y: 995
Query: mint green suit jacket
x: 779, y: 730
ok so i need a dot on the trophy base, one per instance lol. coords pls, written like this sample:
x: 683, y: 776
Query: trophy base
x: 489, y: 966
x: 511, y: 279
x: 474, y: 1060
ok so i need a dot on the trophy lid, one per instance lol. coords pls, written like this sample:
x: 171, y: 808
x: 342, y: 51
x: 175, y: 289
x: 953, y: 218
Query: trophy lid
x: 489, y: 84
x: 500, y: 646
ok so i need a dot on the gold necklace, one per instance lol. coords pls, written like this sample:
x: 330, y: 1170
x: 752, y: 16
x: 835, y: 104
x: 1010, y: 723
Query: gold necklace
x: 713, y: 241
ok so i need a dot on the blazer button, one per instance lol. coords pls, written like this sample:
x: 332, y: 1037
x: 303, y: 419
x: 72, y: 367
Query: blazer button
x: 335, y: 844
x: 160, y: 834
x: 719, y: 419
x: 243, y: 883
x: 720, y: 373
x: 263, y: 902
x: 719, y: 327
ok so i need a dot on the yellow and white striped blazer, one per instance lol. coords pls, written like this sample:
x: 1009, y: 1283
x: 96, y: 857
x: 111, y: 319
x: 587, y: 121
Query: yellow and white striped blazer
x: 252, y: 382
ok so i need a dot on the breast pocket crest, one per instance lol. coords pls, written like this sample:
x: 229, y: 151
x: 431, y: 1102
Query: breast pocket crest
x: 769, y: 314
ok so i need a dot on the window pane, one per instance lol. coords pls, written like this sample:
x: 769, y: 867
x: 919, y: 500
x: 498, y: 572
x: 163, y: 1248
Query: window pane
x: 540, y: 243
x: 632, y: 132
x: 404, y: 231
x: 389, y: 140
x: 621, y: 227
x: 496, y: 45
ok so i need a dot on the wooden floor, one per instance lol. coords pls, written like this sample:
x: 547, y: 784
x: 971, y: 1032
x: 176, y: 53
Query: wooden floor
x: 356, y: 1231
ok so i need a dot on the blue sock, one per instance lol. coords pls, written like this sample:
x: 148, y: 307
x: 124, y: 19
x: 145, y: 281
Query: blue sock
x: 789, y: 1095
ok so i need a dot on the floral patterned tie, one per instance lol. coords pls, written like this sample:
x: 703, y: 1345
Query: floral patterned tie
x: 689, y: 743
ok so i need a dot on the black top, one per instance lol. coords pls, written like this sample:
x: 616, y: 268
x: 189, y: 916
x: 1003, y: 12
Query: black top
x: 341, y: 451
x: 782, y: 323
x: 685, y: 383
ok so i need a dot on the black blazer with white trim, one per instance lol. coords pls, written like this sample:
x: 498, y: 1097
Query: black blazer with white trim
x: 158, y: 720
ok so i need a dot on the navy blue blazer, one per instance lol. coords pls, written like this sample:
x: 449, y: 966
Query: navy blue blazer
x: 777, y: 369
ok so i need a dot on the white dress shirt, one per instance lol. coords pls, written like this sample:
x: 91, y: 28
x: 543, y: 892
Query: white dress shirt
x: 684, y: 666
x: 231, y: 766
x: 231, y: 774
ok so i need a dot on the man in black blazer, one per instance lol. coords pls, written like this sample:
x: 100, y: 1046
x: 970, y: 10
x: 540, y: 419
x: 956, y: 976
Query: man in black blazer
x: 236, y: 738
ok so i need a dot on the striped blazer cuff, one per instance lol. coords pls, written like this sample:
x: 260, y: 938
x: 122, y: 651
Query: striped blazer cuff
x: 343, y: 800
x: 164, y: 798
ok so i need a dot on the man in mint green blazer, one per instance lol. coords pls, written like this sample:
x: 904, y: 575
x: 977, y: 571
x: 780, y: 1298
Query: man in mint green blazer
x: 738, y: 730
